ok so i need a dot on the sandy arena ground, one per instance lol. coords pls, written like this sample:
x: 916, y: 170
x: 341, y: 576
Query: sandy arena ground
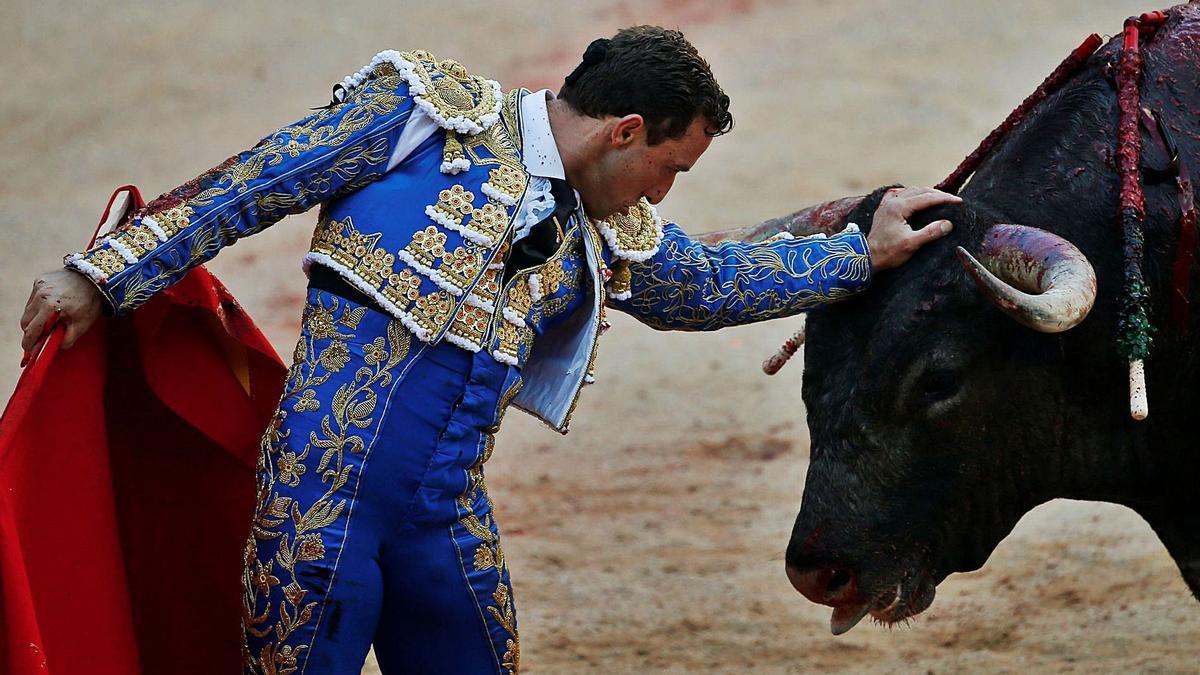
x: 649, y: 540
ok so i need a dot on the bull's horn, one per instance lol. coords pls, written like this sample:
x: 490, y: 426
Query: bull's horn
x: 1037, y: 278
x: 827, y: 218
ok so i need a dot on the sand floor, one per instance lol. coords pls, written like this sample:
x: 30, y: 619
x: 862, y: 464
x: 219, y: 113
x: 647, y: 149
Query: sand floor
x: 650, y: 539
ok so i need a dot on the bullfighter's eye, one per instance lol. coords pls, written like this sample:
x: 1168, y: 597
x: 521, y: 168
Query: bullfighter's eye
x: 939, y: 384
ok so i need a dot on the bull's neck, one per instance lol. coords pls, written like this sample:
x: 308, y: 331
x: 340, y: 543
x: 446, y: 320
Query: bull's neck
x: 1120, y: 461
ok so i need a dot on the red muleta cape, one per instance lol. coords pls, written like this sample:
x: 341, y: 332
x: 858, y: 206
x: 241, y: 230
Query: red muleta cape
x: 127, y: 487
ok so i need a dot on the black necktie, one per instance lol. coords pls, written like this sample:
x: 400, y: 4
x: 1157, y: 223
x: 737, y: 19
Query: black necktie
x: 544, y: 238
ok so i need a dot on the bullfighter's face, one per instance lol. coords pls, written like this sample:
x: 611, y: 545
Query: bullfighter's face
x: 629, y: 169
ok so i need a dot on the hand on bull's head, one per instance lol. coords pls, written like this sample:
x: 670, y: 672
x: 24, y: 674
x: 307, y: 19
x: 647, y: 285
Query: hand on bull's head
x: 892, y: 241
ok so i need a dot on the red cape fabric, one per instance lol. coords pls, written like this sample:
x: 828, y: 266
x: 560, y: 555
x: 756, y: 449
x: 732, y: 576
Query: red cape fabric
x: 127, y: 486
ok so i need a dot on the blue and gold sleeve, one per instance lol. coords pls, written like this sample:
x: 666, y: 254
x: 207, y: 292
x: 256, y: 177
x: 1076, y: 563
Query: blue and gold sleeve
x: 332, y: 152
x: 688, y: 285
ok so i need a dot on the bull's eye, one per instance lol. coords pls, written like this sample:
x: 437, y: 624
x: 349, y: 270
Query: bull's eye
x: 939, y: 384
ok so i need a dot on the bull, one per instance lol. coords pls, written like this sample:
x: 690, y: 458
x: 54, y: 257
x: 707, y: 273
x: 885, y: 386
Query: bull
x: 946, y: 402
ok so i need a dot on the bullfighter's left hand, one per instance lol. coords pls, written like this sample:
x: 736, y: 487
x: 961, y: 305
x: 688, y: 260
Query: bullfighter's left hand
x: 892, y: 241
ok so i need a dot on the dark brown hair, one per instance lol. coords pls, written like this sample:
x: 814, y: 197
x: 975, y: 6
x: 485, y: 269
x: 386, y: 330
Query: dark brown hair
x: 652, y: 72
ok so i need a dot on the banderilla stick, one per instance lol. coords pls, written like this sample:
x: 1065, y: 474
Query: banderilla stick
x: 786, y: 351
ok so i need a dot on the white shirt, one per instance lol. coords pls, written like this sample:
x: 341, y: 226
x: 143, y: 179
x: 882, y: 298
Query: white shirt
x: 539, y: 154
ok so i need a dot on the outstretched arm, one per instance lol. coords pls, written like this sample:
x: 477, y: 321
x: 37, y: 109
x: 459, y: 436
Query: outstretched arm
x: 329, y: 153
x: 334, y: 151
x: 690, y: 285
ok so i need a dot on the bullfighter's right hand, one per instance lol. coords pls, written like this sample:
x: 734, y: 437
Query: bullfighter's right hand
x: 892, y: 241
x: 62, y: 296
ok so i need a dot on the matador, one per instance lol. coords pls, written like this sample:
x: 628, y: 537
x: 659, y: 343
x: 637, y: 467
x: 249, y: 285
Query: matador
x: 469, y: 243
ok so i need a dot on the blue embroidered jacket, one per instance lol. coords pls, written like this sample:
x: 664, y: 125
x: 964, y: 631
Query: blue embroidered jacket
x: 428, y: 238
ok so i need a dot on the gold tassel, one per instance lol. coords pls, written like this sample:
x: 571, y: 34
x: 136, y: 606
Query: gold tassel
x: 454, y: 158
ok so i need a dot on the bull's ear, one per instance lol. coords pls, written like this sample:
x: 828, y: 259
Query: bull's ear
x: 1038, y: 278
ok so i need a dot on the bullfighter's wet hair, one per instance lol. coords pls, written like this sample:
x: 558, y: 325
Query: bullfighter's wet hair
x: 652, y: 72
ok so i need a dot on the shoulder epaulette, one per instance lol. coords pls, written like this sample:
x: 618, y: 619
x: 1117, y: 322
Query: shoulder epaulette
x: 635, y: 234
x: 455, y: 100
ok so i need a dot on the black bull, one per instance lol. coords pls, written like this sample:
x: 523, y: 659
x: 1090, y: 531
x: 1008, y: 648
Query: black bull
x: 937, y: 421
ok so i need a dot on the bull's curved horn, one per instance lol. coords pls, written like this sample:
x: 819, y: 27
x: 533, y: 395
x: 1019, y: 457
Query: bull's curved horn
x: 827, y: 218
x: 1037, y: 278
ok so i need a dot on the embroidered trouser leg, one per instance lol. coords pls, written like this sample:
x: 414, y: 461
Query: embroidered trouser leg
x: 372, y: 522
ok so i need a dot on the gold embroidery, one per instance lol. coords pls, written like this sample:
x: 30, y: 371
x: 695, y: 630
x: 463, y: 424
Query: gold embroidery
x: 489, y: 220
x: 428, y: 246
x: 453, y: 204
x: 519, y: 299
x: 174, y: 219
x: 453, y: 158
x: 361, y: 109
x: 434, y: 310
x: 593, y: 240
x: 677, y: 291
x: 622, y: 277
x: 552, y: 275
x: 488, y: 556
x: 406, y: 285
x: 227, y: 223
x: 508, y: 181
x: 500, y: 141
x: 107, y: 260
x: 455, y: 92
x: 511, y: 338
x: 139, y: 239
x: 351, y: 408
x: 316, y: 131
x: 508, y: 115
x: 487, y: 289
x: 470, y: 324
x: 635, y: 234
x: 462, y: 265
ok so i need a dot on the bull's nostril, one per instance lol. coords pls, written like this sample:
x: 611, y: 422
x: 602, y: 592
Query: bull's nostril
x: 833, y: 585
x: 837, y: 581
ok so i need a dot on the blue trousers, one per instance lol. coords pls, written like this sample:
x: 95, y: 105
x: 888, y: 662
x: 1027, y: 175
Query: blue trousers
x: 373, y: 525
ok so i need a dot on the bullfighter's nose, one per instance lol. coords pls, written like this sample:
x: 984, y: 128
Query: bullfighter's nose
x: 834, y: 585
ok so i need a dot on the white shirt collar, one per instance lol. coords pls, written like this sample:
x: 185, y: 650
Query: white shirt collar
x: 539, y: 152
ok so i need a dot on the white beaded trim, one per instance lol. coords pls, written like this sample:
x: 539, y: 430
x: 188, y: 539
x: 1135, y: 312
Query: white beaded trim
x: 504, y: 358
x: 416, y: 87
x: 149, y: 222
x: 493, y: 192
x: 535, y: 287
x: 476, y: 301
x: 455, y: 166
x: 432, y: 274
x: 126, y: 253
x: 466, y: 232
x: 460, y: 341
x: 512, y: 317
x: 76, y: 261
x: 405, y: 318
x: 610, y: 237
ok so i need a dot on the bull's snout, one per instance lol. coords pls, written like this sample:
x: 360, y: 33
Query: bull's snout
x: 833, y: 585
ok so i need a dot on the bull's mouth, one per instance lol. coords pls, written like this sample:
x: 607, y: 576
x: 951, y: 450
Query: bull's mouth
x: 909, y: 597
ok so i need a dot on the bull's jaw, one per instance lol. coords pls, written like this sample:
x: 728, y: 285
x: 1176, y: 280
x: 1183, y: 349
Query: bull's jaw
x: 901, y: 602
x: 898, y: 601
